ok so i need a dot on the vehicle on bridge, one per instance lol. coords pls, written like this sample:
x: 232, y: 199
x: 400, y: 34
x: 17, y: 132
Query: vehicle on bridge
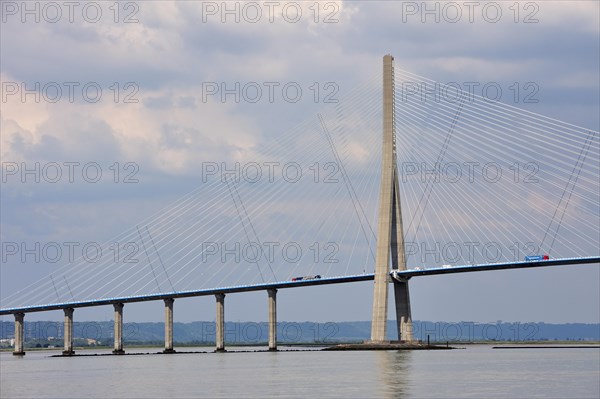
x: 532, y: 258
x: 318, y: 276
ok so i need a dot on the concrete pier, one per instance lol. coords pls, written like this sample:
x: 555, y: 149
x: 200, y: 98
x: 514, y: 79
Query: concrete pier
x: 220, y: 334
x: 169, y: 326
x: 19, y: 336
x: 118, y: 346
x: 68, y: 332
x: 272, y: 319
x: 403, y: 316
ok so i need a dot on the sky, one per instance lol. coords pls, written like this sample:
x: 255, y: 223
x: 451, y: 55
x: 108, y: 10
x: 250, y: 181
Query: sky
x: 122, y: 107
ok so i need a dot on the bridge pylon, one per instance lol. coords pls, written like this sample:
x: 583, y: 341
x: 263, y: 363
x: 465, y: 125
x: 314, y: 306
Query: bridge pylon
x: 390, y: 234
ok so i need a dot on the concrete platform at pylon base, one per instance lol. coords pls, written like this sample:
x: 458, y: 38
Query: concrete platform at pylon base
x: 386, y: 345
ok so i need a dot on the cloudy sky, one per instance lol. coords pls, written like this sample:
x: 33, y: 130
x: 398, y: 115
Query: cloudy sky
x: 150, y: 93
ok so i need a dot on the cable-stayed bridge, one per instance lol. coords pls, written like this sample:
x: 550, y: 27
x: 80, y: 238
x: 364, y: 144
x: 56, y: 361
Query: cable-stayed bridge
x: 460, y: 184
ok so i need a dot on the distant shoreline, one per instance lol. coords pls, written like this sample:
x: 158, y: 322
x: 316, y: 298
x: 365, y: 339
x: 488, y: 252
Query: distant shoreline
x: 99, y: 335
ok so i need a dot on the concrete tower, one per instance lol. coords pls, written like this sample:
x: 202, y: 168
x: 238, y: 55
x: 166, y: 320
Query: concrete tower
x: 390, y: 235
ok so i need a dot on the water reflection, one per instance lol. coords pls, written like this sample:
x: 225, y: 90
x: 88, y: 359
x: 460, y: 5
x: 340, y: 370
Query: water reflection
x: 395, y: 373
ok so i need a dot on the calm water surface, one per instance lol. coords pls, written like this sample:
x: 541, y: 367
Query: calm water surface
x: 475, y: 372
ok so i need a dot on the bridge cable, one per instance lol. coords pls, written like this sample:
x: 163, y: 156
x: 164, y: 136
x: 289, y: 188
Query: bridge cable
x: 478, y: 149
x: 55, y: 290
x: 496, y: 144
x: 161, y: 217
x: 243, y: 225
x: 576, y: 171
x: 349, y: 186
x: 429, y: 186
x: 149, y: 260
x: 451, y: 195
x: 252, y: 227
x: 67, y: 283
x: 160, y: 259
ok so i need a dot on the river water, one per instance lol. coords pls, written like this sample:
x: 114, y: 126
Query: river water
x: 475, y: 372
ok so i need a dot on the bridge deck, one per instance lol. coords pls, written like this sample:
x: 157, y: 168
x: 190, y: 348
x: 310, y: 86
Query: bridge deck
x: 495, y: 266
x: 186, y: 294
x: 405, y: 274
